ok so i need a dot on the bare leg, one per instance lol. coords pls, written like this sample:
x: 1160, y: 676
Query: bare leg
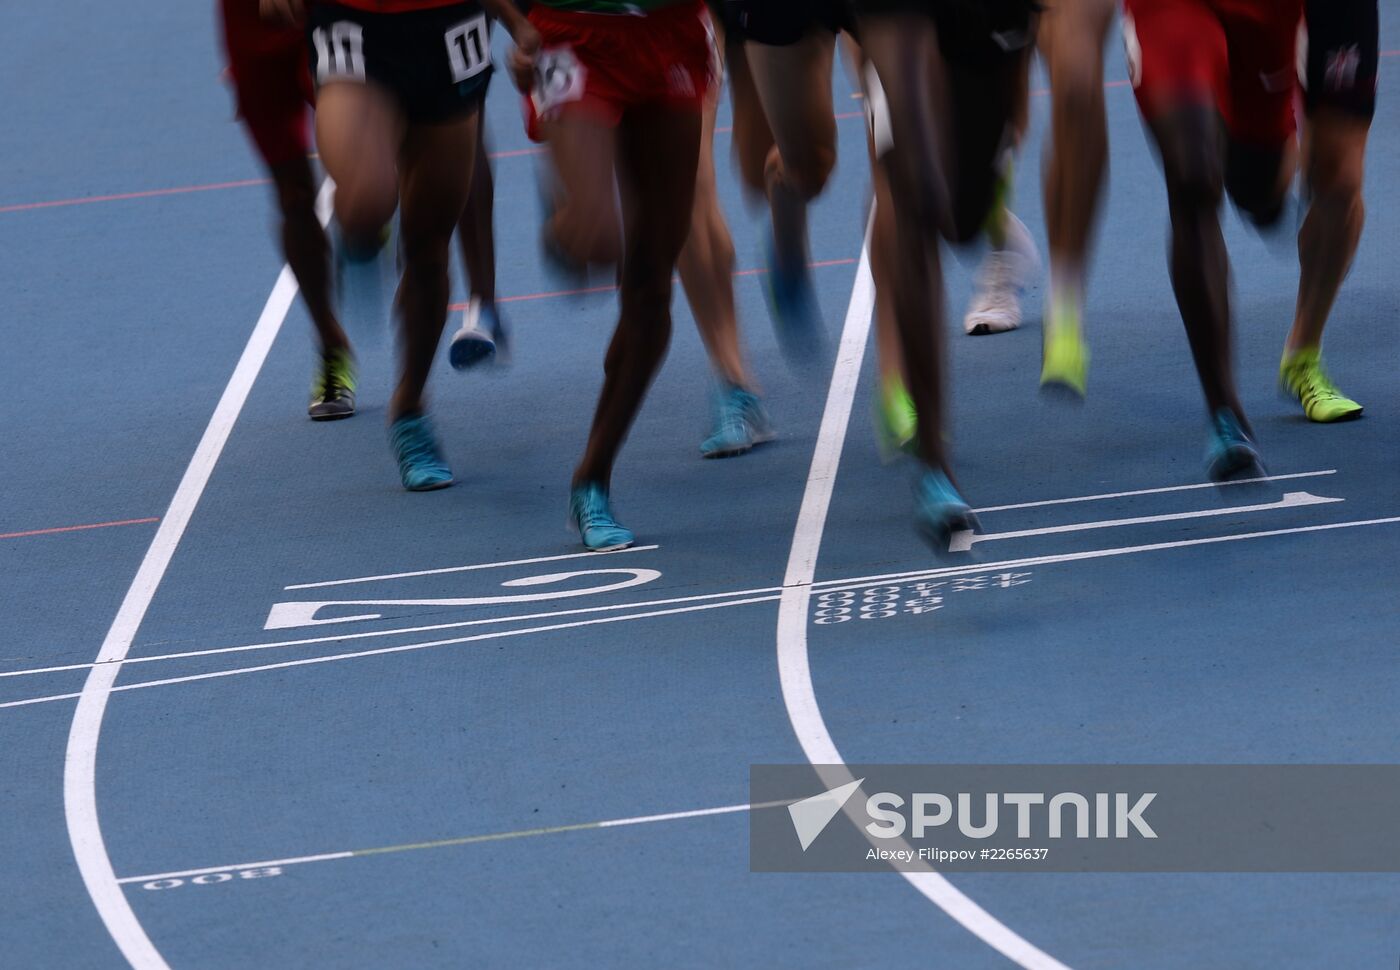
x: 434, y: 195
x: 905, y: 54
x: 707, y: 268
x: 657, y: 154
x: 358, y: 130
x: 1190, y: 141
x: 477, y: 230
x: 1071, y: 38
x: 307, y: 251
x: 1334, y: 153
x: 753, y: 139
x: 585, y: 224
x: 794, y: 86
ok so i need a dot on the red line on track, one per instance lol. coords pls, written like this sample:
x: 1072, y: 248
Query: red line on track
x: 122, y: 196
x: 188, y: 189
x: 76, y: 528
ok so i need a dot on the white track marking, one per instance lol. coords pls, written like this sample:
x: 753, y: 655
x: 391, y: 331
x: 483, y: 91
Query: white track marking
x: 401, y: 648
x: 794, y: 671
x: 977, y: 567
x: 749, y: 597
x: 963, y: 541
x: 399, y: 631
x: 467, y: 569
x: 80, y: 761
x: 1154, y: 491
x: 462, y: 840
x: 301, y: 613
x: 675, y: 816
x: 518, y: 618
x: 188, y: 873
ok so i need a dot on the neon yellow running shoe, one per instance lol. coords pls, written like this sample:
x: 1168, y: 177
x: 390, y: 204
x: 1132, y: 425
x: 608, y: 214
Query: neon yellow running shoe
x: 1064, y: 365
x: 896, y: 421
x: 1301, y: 375
x: 333, y: 387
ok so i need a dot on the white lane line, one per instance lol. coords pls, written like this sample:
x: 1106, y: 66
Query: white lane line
x: 406, y: 630
x: 963, y: 541
x: 467, y: 569
x: 459, y: 841
x: 188, y: 873
x: 80, y: 761
x: 977, y: 567
x: 794, y: 669
x: 748, y: 597
x: 527, y: 617
x: 401, y: 648
x: 675, y: 816
x: 1154, y: 491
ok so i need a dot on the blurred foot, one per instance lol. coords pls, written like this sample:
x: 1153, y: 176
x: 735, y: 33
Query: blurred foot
x: 741, y: 423
x: 481, y: 339
x: 1064, y: 368
x: 1301, y: 375
x: 996, y: 304
x: 896, y: 421
x: 333, y: 387
x: 592, y: 516
x: 792, y: 301
x: 1230, y: 451
x: 941, y: 512
x: 421, y: 466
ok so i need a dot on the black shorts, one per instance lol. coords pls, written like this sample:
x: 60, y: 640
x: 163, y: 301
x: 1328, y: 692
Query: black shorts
x: 436, y: 62
x: 970, y: 32
x: 779, y: 23
x: 1343, y: 53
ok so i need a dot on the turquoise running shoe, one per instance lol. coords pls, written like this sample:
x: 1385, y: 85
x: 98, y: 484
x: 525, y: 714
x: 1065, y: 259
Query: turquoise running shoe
x: 1230, y: 451
x: 941, y: 513
x: 741, y: 423
x: 592, y: 516
x: 421, y: 466
x: 797, y: 319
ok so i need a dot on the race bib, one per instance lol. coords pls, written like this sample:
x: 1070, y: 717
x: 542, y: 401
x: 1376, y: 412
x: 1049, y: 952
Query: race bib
x: 559, y: 79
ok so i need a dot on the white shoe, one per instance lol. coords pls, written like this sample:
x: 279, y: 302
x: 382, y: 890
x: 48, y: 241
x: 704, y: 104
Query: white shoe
x: 473, y: 344
x: 996, y: 305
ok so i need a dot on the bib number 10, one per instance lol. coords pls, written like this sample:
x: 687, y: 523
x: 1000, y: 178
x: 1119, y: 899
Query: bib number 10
x: 340, y: 52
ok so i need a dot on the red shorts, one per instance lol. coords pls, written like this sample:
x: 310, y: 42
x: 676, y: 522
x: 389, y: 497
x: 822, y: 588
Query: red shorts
x: 268, y: 66
x: 1238, y: 55
x: 598, y: 65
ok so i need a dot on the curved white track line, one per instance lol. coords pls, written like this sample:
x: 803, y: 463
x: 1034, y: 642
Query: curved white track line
x: 794, y: 670
x: 80, y: 762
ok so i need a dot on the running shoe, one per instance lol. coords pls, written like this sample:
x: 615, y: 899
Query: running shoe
x: 996, y: 303
x: 940, y: 512
x: 793, y: 303
x: 482, y: 338
x: 1300, y: 374
x: 421, y: 466
x: 741, y: 423
x: 896, y: 421
x: 1064, y: 368
x: 592, y: 516
x: 1230, y: 451
x: 333, y: 387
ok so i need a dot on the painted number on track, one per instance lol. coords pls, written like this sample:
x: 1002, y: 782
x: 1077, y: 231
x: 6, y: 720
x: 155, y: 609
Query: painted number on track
x: 882, y: 602
x: 213, y: 878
